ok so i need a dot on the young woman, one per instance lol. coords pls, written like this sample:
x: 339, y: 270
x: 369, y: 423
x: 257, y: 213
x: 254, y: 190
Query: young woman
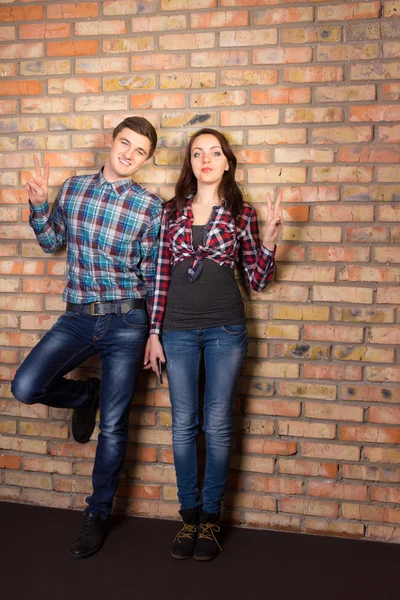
x: 207, y: 228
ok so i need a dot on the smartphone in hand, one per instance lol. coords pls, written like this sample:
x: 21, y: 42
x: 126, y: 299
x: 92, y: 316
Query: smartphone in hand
x: 160, y: 377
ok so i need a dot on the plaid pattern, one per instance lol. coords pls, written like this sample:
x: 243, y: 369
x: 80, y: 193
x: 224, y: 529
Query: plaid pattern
x: 111, y: 231
x: 225, y: 242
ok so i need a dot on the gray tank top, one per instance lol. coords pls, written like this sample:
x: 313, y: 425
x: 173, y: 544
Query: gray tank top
x: 212, y: 300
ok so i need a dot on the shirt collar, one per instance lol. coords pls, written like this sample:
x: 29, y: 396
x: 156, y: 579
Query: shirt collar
x: 121, y: 186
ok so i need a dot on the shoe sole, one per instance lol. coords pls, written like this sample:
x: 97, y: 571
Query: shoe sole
x: 86, y: 555
x: 206, y: 558
x: 181, y: 557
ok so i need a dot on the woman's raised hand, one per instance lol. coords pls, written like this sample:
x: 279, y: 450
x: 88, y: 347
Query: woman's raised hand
x: 38, y: 185
x: 273, y: 223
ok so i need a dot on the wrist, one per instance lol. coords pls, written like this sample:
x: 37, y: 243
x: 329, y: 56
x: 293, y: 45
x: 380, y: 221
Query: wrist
x: 269, y: 245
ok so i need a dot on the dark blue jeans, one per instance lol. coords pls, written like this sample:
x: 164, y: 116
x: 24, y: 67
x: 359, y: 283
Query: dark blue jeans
x: 120, y: 341
x: 224, y: 349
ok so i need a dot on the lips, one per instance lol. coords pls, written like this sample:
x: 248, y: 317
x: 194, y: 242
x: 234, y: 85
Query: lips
x: 125, y: 162
x: 206, y: 170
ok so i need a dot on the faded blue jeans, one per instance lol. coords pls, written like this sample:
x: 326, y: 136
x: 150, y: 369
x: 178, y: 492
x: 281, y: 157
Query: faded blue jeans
x: 120, y: 341
x: 224, y: 349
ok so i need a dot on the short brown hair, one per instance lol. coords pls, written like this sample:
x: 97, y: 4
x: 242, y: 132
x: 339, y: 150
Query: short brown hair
x: 139, y: 125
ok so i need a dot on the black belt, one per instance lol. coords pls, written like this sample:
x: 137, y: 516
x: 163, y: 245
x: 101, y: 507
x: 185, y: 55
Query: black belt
x: 99, y: 309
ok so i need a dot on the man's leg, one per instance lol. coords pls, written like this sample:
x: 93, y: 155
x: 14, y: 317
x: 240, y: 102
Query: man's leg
x: 40, y: 378
x: 121, y: 345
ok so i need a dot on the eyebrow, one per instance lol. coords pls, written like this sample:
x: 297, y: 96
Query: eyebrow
x: 212, y: 147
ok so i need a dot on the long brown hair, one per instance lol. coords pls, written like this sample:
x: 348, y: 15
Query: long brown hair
x: 228, y: 190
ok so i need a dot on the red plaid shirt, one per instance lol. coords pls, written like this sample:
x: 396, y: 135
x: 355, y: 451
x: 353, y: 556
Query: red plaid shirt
x: 225, y: 241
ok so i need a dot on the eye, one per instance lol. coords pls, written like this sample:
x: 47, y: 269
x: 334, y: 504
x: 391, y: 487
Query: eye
x: 124, y: 143
x: 196, y: 154
x: 217, y: 153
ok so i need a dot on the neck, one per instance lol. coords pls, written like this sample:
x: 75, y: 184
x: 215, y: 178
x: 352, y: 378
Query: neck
x: 207, y: 194
x: 112, y: 177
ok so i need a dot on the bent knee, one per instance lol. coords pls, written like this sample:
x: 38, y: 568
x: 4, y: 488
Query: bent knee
x: 22, y: 390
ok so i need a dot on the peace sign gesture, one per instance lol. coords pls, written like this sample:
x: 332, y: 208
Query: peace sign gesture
x: 37, y: 187
x: 273, y: 224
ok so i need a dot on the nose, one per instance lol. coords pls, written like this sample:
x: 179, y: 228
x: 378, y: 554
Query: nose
x: 206, y: 157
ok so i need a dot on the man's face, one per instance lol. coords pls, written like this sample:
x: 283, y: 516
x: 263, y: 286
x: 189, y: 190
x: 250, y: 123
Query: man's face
x: 129, y: 151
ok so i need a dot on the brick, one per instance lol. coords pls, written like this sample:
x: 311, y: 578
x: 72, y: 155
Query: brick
x: 8, y: 107
x: 252, y: 464
x: 312, y: 74
x: 100, y: 28
x: 312, y: 234
x: 138, y: 491
x: 21, y: 88
x: 189, y: 41
x: 363, y: 354
x: 371, y: 473
x: 74, y: 122
x: 347, y: 52
x: 47, y: 465
x: 359, y: 273
x: 309, y: 507
x: 158, y: 23
x: 256, y: 446
x: 71, y: 10
x: 10, y: 462
x: 187, y: 80
x: 374, y: 113
x: 216, y: 59
x: 387, y: 534
x: 275, y: 174
x: 45, y: 67
x: 290, y: 253
x: 308, y: 430
x: 306, y: 155
x: 265, y: 520
x: 341, y: 174
x: 273, y: 370
x: 375, y: 70
x: 42, y: 482
x: 351, y: 93
x: 267, y: 56
x: 21, y: 13
x: 304, y: 35
x: 101, y: 103
x: 301, y: 313
x: 382, y: 455
x: 389, y: 415
x: 330, y: 451
x: 335, y: 372
x: 334, y: 412
x: 272, y: 485
x: 73, y: 48
x: 8, y: 70
x: 220, y: 19
x: 363, y: 315
x: 278, y: 16
x: 281, y: 95
x: 380, y: 494
x: 336, y: 528
x: 277, y: 136
x: 364, y: 512
x: 274, y: 331
x: 367, y: 234
x: 309, y: 193
x: 124, y: 45
x: 272, y: 407
x: 135, y: 82
x: 387, y: 254
x: 387, y: 295
x: 224, y: 98
x: 389, y: 174
x: 391, y: 49
x: 9, y: 427
x: 307, y: 390
x: 303, y: 273
x: 245, y: 157
x: 23, y: 445
x: 241, y: 77
x: 187, y: 119
x: 358, y: 213
x: 8, y: 356
x: 111, y: 64
x: 368, y: 433
x: 333, y: 333
x: 350, y: 11
x: 40, y: 31
x: 73, y: 85
x: 357, y: 32
x: 256, y: 501
x: 376, y: 154
x: 340, y: 491
x: 45, y: 105
x: 7, y: 33
x: 391, y: 8
x: 71, y: 485
x: 383, y: 373
x: 158, y: 61
x: 301, y: 351
x: 333, y: 135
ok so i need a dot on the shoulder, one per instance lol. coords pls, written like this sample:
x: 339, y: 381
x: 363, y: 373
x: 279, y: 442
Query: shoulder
x: 152, y: 201
x: 248, y: 214
x: 79, y: 181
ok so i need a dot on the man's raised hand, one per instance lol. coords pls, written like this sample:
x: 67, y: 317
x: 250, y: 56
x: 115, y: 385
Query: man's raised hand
x: 38, y: 185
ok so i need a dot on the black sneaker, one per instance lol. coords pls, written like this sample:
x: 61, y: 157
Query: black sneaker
x: 84, y: 418
x: 185, y: 539
x: 207, y: 546
x: 90, y: 538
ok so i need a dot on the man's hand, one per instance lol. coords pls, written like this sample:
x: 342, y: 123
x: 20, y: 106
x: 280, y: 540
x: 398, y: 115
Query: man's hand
x: 273, y: 224
x: 37, y: 187
x: 153, y: 351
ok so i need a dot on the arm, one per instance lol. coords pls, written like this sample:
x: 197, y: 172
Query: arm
x: 49, y: 227
x: 149, y: 250
x: 259, y: 260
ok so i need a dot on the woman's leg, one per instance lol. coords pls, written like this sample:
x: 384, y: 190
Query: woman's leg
x: 224, y: 351
x: 183, y: 352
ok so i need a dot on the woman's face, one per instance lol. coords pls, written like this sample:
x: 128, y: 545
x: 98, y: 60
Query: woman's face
x: 207, y: 159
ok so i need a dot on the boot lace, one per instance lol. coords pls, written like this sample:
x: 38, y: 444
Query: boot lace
x: 87, y: 532
x: 208, y: 531
x: 187, y: 531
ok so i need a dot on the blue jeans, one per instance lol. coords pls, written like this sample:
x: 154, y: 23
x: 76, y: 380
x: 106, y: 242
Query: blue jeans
x: 119, y: 340
x: 224, y: 349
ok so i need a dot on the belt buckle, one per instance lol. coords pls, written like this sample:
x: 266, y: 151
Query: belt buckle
x: 92, y: 310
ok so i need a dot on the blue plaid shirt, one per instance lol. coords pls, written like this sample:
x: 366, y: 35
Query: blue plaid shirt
x: 111, y: 231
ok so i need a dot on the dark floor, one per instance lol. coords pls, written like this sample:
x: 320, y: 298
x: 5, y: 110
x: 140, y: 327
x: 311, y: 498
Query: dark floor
x: 135, y: 563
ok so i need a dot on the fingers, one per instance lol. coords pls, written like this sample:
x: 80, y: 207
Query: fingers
x: 38, y: 170
x: 46, y: 171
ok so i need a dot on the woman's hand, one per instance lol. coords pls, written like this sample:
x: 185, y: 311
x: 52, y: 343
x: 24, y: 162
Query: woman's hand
x: 38, y: 185
x: 273, y: 224
x: 152, y: 353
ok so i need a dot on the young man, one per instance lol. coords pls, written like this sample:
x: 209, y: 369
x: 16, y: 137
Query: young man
x: 110, y: 225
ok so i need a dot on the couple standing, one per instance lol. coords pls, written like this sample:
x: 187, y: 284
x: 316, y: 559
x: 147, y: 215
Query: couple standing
x: 116, y: 286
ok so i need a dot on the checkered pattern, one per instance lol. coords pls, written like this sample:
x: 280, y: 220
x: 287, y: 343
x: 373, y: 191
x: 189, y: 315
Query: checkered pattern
x: 111, y: 231
x: 225, y: 241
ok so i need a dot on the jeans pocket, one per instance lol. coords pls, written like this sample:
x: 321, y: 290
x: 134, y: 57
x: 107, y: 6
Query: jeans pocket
x: 235, y: 329
x: 136, y: 317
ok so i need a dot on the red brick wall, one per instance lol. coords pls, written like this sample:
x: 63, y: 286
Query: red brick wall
x: 308, y: 92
